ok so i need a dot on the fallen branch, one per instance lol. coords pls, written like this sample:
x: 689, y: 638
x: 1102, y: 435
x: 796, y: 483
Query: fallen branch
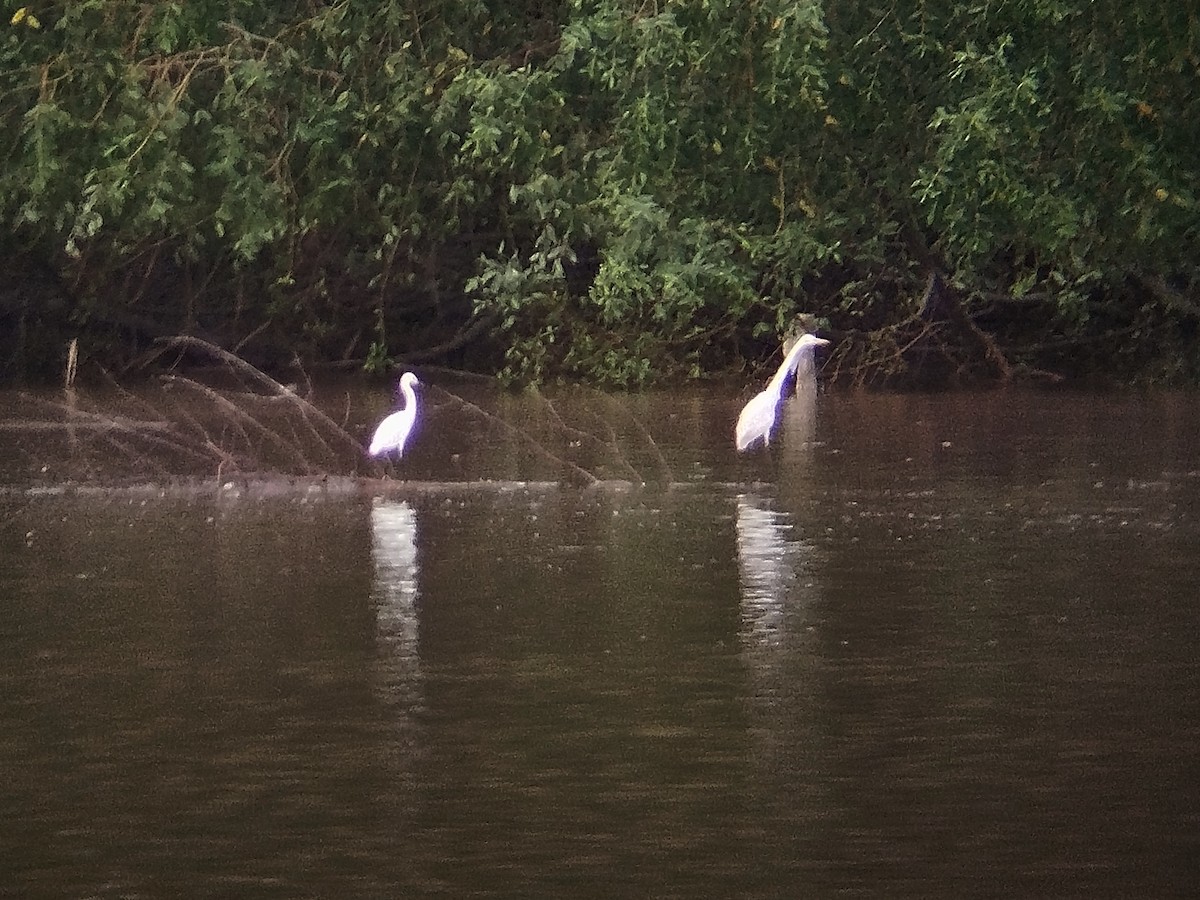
x: 255, y: 375
x: 586, y: 476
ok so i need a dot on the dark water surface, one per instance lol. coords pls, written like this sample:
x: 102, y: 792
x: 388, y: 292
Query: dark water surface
x: 948, y: 648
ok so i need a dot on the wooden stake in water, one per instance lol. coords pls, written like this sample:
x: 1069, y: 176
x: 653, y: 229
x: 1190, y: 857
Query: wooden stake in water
x: 72, y: 364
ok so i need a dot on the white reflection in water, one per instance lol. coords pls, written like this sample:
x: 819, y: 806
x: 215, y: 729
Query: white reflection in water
x: 769, y: 561
x: 780, y: 651
x: 394, y: 553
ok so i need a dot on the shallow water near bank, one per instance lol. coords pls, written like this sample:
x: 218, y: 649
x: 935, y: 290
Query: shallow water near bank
x: 925, y: 646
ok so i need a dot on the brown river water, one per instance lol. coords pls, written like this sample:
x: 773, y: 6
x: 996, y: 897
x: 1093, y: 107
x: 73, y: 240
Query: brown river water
x: 926, y: 646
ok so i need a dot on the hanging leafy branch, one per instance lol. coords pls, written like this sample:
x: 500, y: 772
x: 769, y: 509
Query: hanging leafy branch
x: 614, y: 190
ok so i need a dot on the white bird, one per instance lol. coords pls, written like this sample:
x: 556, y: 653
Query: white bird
x: 393, y: 432
x: 758, y: 417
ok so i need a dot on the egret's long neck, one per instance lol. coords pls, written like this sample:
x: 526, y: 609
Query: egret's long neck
x: 789, y: 362
x: 410, y: 396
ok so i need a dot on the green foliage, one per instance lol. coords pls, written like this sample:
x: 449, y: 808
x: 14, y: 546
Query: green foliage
x: 627, y: 191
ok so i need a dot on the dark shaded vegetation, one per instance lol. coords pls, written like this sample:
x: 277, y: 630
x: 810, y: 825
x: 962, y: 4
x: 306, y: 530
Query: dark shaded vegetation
x: 613, y: 191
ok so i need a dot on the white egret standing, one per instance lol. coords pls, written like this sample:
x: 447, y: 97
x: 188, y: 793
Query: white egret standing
x: 393, y: 432
x: 758, y: 417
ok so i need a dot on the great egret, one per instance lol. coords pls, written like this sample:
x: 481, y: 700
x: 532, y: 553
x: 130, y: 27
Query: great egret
x: 757, y: 419
x: 393, y: 432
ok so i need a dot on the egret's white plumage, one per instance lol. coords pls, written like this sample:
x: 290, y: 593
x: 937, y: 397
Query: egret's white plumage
x: 758, y: 417
x: 394, y: 431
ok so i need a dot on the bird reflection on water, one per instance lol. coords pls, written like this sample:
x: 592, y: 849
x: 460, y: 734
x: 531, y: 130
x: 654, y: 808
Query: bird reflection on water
x: 394, y: 592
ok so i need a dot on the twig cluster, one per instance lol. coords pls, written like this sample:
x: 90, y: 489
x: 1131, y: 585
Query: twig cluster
x: 188, y: 426
x: 237, y: 420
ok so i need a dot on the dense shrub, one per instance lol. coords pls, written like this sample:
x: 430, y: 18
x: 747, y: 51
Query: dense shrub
x: 610, y: 190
